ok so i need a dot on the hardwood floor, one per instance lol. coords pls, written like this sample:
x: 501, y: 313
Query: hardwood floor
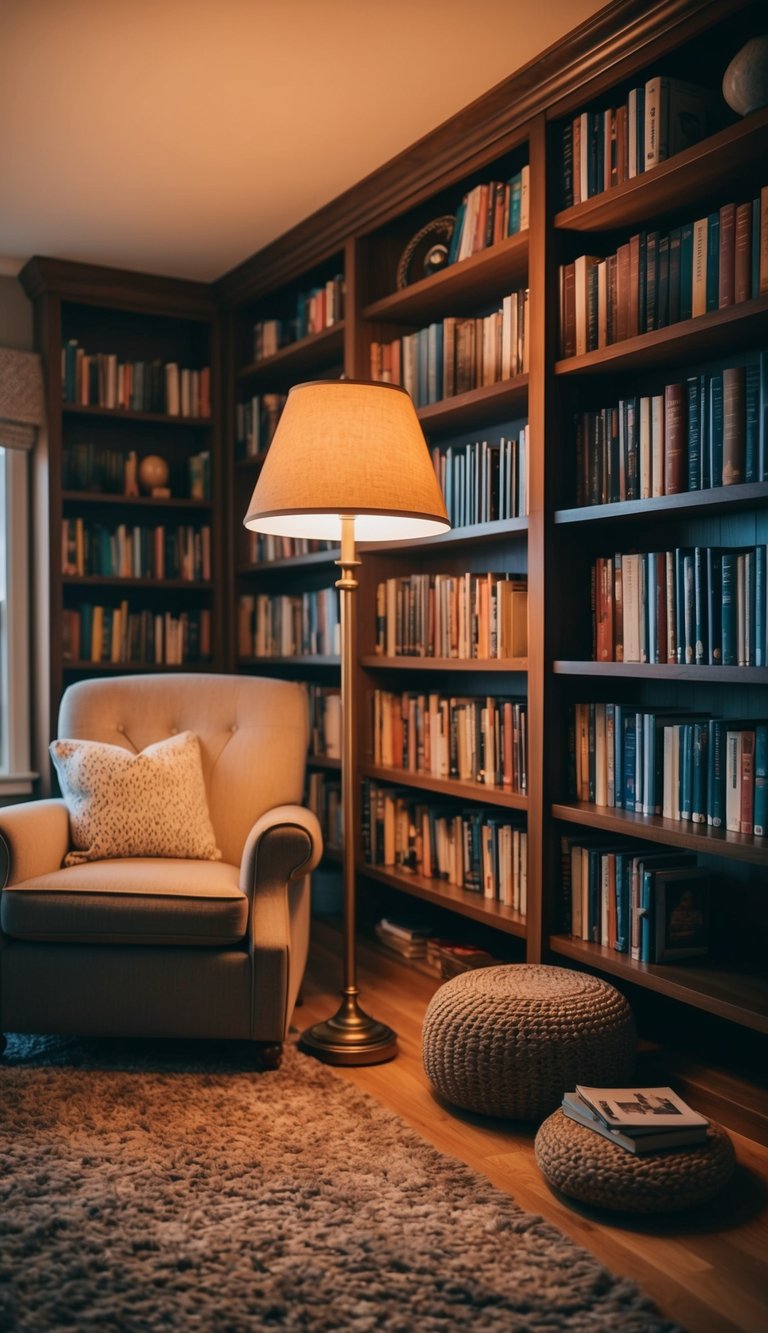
x: 707, y: 1272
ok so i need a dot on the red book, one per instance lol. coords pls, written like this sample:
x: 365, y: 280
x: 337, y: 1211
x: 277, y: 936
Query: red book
x: 604, y: 609
x: 726, y: 278
x: 675, y: 432
x: 742, y: 264
x: 734, y: 441
x: 622, y: 145
x: 633, y: 318
x: 618, y: 611
x: 622, y: 292
x: 568, y: 310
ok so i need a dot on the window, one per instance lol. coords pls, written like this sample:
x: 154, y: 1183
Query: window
x: 15, y: 777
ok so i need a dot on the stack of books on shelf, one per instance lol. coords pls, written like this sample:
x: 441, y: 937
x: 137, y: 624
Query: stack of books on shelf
x: 709, y: 430
x: 684, y: 766
x: 319, y: 308
x: 256, y: 421
x: 483, y: 482
x: 302, y: 625
x: 456, y: 355
x: 132, y: 636
x: 101, y: 471
x: 641, y: 1120
x: 660, y: 118
x: 656, y: 279
x: 471, y: 739
x: 100, y: 380
x: 264, y: 548
x: 416, y: 943
x: 652, y: 905
x: 468, y: 616
x: 481, y: 851
x: 489, y: 212
x: 701, y: 605
x: 132, y: 551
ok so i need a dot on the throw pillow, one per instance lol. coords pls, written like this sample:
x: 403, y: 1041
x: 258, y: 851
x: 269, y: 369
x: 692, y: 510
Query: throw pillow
x: 147, y: 804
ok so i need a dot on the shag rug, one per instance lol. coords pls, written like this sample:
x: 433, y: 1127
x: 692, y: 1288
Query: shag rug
x: 144, y: 1188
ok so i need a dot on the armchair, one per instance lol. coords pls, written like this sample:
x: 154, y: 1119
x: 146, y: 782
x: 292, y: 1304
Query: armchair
x: 163, y: 946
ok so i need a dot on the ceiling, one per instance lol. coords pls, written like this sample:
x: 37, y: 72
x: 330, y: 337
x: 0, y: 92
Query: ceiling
x: 180, y: 136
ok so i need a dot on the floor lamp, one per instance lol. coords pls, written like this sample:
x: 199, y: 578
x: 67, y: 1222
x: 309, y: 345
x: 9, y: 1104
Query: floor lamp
x: 348, y: 462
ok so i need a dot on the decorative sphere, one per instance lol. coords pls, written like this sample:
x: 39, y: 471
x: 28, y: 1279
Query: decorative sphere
x: 745, y: 82
x: 153, y: 471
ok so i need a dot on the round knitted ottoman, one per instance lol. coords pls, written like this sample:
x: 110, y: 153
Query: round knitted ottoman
x: 585, y: 1166
x: 510, y: 1040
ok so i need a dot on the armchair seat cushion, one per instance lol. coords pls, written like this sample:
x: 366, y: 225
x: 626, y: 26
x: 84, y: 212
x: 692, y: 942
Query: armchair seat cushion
x: 141, y: 900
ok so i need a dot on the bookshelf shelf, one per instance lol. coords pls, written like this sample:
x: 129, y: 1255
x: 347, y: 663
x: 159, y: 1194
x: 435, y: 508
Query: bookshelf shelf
x: 654, y: 828
x: 152, y: 502
x: 440, y: 894
x: 735, y: 327
x: 462, y: 666
x: 322, y: 761
x: 121, y: 668
x: 105, y: 581
x: 720, y: 163
x: 716, y: 500
x: 712, y: 675
x: 463, y: 791
x: 317, y: 349
x: 725, y: 990
x: 500, y: 530
x: 463, y: 286
x: 134, y: 418
x: 293, y: 563
x: 478, y: 407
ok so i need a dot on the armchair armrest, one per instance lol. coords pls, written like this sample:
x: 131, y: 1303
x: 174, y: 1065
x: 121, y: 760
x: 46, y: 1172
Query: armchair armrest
x: 301, y: 852
x: 34, y: 839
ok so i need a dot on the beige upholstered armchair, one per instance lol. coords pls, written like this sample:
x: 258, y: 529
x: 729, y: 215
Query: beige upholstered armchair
x: 164, y: 945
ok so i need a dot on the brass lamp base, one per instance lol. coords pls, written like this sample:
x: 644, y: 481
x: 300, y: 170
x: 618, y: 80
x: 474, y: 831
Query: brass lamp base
x: 351, y: 1037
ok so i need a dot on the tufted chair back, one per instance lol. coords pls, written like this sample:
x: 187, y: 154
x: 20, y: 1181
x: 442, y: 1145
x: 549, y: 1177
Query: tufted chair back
x: 253, y: 736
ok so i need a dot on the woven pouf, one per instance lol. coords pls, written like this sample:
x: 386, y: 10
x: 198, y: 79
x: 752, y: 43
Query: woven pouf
x: 510, y: 1040
x: 585, y: 1166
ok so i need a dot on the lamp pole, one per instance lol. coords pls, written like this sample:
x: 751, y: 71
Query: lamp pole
x: 350, y: 1037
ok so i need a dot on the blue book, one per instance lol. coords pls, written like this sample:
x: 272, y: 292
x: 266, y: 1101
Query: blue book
x: 704, y: 452
x: 594, y: 861
x: 686, y: 270
x: 646, y: 897
x: 718, y: 727
x: 752, y: 421
x: 623, y: 879
x: 631, y: 468
x: 761, y: 610
x: 716, y: 429
x: 662, y: 284
x: 515, y: 200
x: 630, y: 744
x: 761, y: 781
x: 714, y: 609
x: 674, y: 276
x: 762, y: 462
x: 458, y: 227
x: 618, y: 754
x: 713, y: 260
x: 699, y: 751
x: 686, y: 770
x: 728, y: 602
x: 694, y: 432
x: 700, y: 607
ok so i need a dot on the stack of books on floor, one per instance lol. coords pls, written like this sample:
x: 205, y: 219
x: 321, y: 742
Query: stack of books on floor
x: 642, y: 1120
x: 416, y: 943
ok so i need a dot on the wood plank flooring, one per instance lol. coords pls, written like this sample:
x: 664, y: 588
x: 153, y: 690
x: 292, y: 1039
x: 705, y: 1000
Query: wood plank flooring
x: 708, y: 1272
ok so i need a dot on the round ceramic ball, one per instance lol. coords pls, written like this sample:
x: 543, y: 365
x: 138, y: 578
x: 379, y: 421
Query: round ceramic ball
x: 153, y: 471
x: 745, y: 82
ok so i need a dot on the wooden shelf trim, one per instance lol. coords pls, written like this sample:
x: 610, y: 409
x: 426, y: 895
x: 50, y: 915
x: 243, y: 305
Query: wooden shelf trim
x: 465, y: 285
x: 462, y: 791
x: 129, y: 414
x: 323, y: 761
x: 671, y: 832
x: 477, y: 407
x: 726, y: 990
x: 135, y: 501
x: 684, y: 504
x: 469, y: 664
x: 115, y: 581
x: 298, y: 660
x: 313, y: 350
x: 472, y: 534
x: 723, y: 675
x: 441, y: 894
x: 131, y: 667
x: 291, y: 562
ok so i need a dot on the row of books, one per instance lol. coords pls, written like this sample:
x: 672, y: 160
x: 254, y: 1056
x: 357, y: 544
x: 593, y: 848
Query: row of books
x: 701, y: 605
x: 420, y: 945
x: 688, y: 767
x: 319, y: 308
x: 256, y: 422
x: 481, y: 851
x: 483, y: 482
x: 324, y: 800
x: 122, y: 634
x: 469, y: 615
x: 135, y: 552
x: 652, y: 905
x: 90, y: 467
x: 656, y: 279
x: 659, y: 118
x: 489, y: 212
x: 457, y: 354
x: 99, y: 380
x: 264, y: 548
x: 640, y: 1120
x: 305, y: 624
x: 471, y: 739
x: 709, y: 430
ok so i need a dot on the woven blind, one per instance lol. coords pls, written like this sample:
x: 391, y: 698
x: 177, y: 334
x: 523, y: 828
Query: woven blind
x: 22, y: 407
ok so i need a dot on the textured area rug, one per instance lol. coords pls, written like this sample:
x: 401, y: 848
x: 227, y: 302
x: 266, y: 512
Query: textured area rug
x: 142, y: 1188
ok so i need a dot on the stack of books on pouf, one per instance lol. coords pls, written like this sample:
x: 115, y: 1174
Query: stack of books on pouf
x: 641, y: 1120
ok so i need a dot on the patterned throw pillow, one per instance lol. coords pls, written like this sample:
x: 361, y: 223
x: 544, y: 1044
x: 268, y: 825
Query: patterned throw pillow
x: 147, y: 804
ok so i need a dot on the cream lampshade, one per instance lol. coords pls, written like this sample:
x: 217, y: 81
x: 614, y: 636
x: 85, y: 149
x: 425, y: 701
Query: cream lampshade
x: 348, y: 461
